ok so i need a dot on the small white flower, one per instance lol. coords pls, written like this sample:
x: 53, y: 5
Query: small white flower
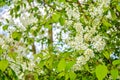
x: 34, y: 28
x: 81, y: 1
x: 81, y: 60
x: 89, y: 52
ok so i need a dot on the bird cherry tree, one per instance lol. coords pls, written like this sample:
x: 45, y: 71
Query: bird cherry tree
x: 60, y: 40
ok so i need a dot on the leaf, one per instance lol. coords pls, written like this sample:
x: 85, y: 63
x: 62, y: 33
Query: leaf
x: 1, y: 51
x: 118, y: 7
x: 114, y: 73
x: 49, y: 63
x: 101, y: 71
x: 106, y: 54
x: 113, y: 15
x: 12, y: 55
x: 106, y: 23
x: 16, y: 35
x: 62, y: 21
x: 55, y: 17
x: 72, y: 75
x: 69, y: 65
x: 5, y: 27
x: 66, y: 76
x: 116, y: 62
x: 61, y: 74
x: 61, y: 0
x: 30, y: 40
x: 3, y: 65
x: 61, y: 65
x: 87, y: 67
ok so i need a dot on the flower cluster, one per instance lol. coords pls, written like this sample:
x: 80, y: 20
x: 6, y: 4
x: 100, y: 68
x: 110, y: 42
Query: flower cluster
x: 82, y: 60
x: 87, y: 37
x: 72, y: 13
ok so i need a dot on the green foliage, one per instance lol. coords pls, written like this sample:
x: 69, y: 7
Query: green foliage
x: 56, y: 17
x: 3, y: 65
x: 61, y: 65
x: 101, y: 71
x: 16, y: 35
x: 114, y: 73
x: 116, y: 62
x: 5, y: 27
x: 72, y: 75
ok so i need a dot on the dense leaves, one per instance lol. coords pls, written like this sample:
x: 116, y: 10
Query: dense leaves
x: 60, y: 40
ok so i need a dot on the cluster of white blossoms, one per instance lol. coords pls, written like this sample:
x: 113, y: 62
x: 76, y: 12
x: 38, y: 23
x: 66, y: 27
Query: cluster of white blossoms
x: 72, y: 13
x: 27, y: 19
x: 82, y: 60
x: 98, y: 43
x: 87, y: 38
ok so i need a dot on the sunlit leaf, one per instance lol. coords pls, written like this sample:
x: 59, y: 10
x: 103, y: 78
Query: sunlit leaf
x: 61, y: 74
x: 101, y: 71
x: 5, y: 27
x: 118, y: 7
x: 3, y: 65
x: 106, y: 23
x: 55, y: 17
x: 72, y: 75
x: 116, y: 62
x: 106, y: 54
x: 69, y: 65
x: 62, y: 21
x: 61, y: 65
x: 16, y: 35
x: 114, y: 73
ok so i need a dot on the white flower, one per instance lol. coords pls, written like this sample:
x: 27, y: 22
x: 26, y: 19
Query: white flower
x: 42, y: 72
x: 89, y: 52
x: 73, y: 13
x: 99, y: 45
x: 81, y: 1
x: 78, y: 26
x: 1, y: 41
x: 81, y: 60
x: 87, y: 37
x: 34, y: 28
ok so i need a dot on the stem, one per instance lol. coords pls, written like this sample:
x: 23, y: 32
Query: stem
x: 34, y: 48
x: 50, y: 44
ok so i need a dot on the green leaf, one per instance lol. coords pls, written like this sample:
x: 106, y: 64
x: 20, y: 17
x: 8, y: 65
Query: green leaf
x: 101, y: 71
x: 61, y: 0
x: 72, y: 75
x: 106, y: 54
x: 36, y: 76
x: 106, y: 23
x: 87, y: 67
x: 113, y: 15
x: 5, y: 27
x: 30, y: 1
x: 66, y: 76
x: 61, y: 65
x: 61, y: 74
x: 118, y: 7
x: 69, y: 65
x: 62, y: 21
x: 16, y: 35
x: 12, y: 55
x: 55, y: 17
x: 116, y: 62
x: 30, y: 40
x: 114, y: 73
x: 1, y: 50
x: 3, y: 65
x: 49, y: 63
